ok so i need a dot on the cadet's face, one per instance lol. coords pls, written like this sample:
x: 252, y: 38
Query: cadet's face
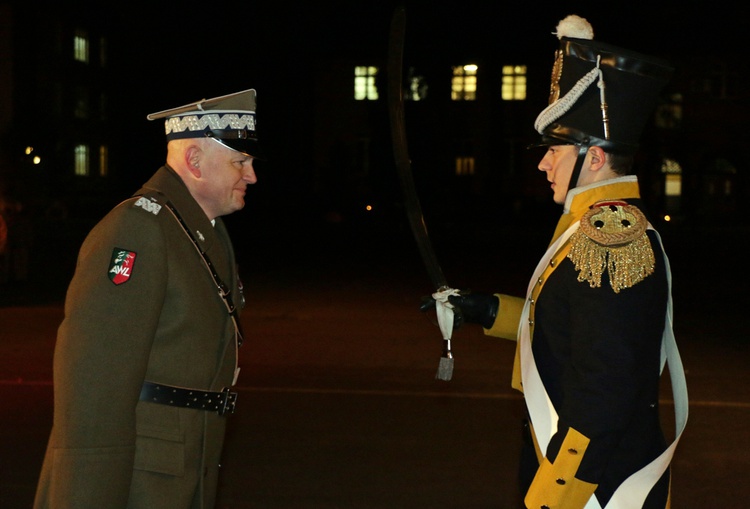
x: 226, y: 174
x: 558, y: 163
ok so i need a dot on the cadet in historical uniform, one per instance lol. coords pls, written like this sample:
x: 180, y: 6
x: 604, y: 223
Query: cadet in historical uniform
x: 146, y: 355
x: 594, y: 331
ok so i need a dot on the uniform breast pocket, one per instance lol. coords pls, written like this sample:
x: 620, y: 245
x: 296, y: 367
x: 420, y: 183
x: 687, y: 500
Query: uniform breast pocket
x: 160, y: 441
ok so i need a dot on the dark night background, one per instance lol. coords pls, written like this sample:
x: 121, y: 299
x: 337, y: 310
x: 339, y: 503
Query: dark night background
x: 165, y: 54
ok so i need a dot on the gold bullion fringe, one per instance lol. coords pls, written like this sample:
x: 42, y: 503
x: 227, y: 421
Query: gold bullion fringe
x: 627, y: 264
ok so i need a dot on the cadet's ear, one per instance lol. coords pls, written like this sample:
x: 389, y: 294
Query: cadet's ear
x: 598, y: 158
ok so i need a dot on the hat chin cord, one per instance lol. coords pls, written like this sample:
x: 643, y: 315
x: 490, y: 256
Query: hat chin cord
x: 582, y: 151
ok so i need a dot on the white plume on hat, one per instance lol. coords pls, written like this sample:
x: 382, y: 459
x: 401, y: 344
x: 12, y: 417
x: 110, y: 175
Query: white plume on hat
x: 575, y: 27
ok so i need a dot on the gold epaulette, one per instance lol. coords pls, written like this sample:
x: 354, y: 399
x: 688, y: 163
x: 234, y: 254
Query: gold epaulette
x: 612, y: 237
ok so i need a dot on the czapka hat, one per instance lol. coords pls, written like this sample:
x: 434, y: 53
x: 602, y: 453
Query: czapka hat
x: 600, y: 94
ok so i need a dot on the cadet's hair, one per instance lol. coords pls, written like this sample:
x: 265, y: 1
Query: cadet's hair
x: 622, y: 164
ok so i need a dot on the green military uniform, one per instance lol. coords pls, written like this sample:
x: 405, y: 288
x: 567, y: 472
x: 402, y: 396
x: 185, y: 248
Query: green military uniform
x: 142, y: 306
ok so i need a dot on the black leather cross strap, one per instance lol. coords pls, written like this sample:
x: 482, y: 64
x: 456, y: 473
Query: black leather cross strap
x: 224, y: 290
x: 220, y: 402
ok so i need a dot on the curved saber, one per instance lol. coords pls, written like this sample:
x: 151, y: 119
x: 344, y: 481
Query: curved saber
x: 401, y: 151
x: 413, y: 207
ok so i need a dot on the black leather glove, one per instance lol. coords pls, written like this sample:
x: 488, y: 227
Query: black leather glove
x: 480, y: 308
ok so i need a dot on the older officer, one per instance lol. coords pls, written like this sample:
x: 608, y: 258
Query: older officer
x: 594, y: 330
x: 147, y: 352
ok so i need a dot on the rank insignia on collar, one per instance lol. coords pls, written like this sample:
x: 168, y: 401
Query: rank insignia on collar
x: 121, y: 265
x: 612, y: 237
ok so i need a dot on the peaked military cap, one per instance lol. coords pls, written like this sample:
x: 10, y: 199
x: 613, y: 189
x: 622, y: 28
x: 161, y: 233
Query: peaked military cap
x: 229, y: 119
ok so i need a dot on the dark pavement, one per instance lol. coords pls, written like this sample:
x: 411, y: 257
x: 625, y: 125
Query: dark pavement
x: 338, y: 405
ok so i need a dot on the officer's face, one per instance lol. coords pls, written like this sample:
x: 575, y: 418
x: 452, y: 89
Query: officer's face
x: 558, y: 163
x: 225, y: 174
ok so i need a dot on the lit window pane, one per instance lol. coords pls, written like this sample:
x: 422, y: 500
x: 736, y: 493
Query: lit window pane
x: 103, y: 160
x: 81, y: 160
x: 464, y: 83
x: 513, y: 86
x: 81, y: 46
x: 673, y: 184
x: 670, y: 166
x: 365, y: 87
x: 464, y: 166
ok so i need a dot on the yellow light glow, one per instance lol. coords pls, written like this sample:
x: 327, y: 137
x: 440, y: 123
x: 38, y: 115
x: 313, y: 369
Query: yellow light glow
x: 368, y: 207
x: 471, y: 68
x: 37, y: 159
x: 29, y: 150
x: 667, y: 218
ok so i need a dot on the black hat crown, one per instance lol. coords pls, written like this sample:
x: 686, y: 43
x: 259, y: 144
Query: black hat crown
x: 600, y: 94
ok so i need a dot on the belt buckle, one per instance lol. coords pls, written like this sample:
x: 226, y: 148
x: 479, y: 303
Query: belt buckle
x: 228, y: 401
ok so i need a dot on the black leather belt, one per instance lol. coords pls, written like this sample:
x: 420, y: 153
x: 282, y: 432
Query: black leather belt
x: 221, y: 402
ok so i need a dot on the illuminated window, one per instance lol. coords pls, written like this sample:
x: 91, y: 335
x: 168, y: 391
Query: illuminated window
x: 464, y: 165
x: 464, y: 83
x: 672, y: 177
x: 417, y: 87
x: 81, y: 46
x: 365, y: 88
x: 82, y: 160
x: 514, y: 83
x: 103, y: 160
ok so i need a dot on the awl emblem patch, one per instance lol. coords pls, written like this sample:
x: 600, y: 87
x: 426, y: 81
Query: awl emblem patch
x: 121, y: 265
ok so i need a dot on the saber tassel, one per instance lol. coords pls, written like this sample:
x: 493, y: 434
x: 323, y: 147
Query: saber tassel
x: 445, y: 316
x: 445, y: 368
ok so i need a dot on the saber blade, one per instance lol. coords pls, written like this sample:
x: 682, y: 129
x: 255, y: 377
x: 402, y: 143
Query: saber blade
x: 403, y: 165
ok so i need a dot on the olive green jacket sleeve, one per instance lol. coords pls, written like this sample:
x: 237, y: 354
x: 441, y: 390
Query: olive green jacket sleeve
x: 101, y: 357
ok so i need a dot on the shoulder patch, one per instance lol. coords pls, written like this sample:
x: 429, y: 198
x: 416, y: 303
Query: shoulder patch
x: 612, y: 237
x: 121, y: 265
x: 148, y: 204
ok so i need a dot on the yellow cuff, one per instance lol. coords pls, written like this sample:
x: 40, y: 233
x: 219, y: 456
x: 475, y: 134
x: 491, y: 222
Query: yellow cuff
x: 508, y: 317
x: 555, y: 485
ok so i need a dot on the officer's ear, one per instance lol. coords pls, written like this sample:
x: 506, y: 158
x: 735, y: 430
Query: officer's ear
x: 193, y: 156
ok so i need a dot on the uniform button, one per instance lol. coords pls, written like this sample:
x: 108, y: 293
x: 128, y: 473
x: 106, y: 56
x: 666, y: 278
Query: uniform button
x: 560, y: 481
x: 552, y: 263
x: 572, y: 451
x: 540, y: 281
x: 531, y: 322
